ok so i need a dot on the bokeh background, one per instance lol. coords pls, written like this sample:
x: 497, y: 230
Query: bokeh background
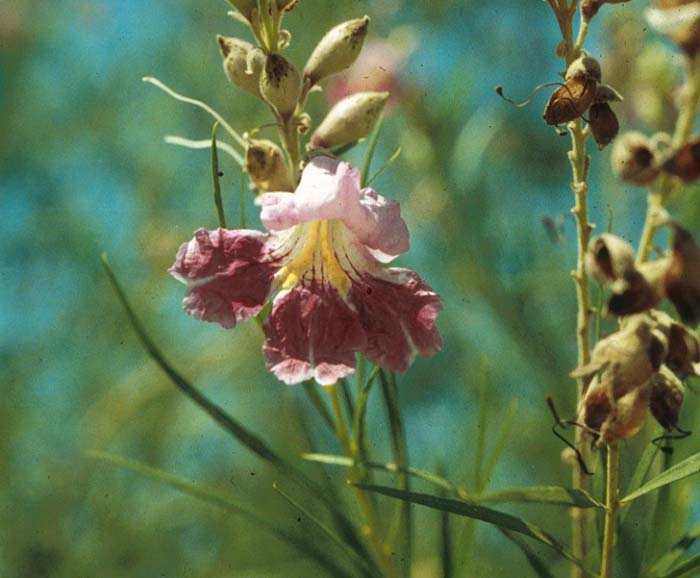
x: 484, y: 189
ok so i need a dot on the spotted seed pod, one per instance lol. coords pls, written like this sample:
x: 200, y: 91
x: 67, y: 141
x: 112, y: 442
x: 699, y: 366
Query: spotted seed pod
x: 576, y: 95
x: 609, y: 258
x: 633, y: 159
x: 682, y: 281
x: 685, y: 162
x: 349, y: 120
x: 337, y: 50
x: 601, y: 118
x: 243, y: 63
x: 264, y: 162
x: 280, y: 84
x: 627, y: 358
x: 666, y: 398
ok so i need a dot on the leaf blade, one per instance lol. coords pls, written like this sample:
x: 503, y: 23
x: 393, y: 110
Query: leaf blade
x: 681, y: 470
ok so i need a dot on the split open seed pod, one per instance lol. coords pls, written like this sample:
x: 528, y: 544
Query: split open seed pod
x: 685, y: 162
x: 683, y: 356
x: 576, y: 95
x: 601, y: 118
x: 633, y: 158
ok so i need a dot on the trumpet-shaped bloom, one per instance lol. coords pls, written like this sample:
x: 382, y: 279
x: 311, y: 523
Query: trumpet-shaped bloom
x: 320, y: 265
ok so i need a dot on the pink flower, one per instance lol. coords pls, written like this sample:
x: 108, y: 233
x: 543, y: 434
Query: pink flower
x: 321, y: 266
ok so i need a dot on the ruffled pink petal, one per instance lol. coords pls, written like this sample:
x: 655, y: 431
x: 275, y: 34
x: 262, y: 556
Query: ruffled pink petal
x: 228, y: 275
x: 312, y: 334
x: 330, y: 189
x: 397, y: 311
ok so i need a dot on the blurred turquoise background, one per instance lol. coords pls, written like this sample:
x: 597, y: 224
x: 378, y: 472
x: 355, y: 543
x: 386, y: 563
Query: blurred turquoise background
x: 84, y: 169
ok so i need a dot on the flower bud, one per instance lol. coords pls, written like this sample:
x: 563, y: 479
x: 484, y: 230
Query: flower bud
x: 633, y: 159
x: 349, y: 120
x: 264, y: 162
x: 685, y: 162
x: 245, y: 7
x: 682, y: 281
x: 337, y: 50
x: 576, y: 95
x: 666, y: 398
x: 280, y: 84
x: 242, y: 63
x: 601, y: 118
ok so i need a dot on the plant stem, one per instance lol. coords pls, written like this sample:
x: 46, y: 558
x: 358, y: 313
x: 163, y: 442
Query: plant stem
x: 371, y: 529
x: 656, y: 199
x: 612, y: 505
x: 579, y: 168
x: 290, y: 142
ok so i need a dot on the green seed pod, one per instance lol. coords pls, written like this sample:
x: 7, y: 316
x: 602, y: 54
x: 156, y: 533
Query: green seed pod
x: 337, y: 50
x: 280, y: 84
x: 264, y: 162
x: 243, y: 63
x: 349, y: 120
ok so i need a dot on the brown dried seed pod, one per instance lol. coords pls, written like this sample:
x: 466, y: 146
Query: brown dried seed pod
x: 685, y: 162
x: 629, y: 357
x: 626, y: 417
x: 601, y: 118
x: 682, y: 281
x: 666, y: 398
x: 642, y: 288
x: 596, y: 406
x: 633, y: 159
x: 683, y: 356
x: 570, y: 101
x: 609, y: 258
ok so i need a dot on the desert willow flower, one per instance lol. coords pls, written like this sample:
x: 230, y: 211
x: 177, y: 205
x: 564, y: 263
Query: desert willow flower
x: 320, y: 265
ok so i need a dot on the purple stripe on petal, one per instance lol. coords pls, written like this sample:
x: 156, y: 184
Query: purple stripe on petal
x: 228, y: 275
x: 312, y: 333
x: 398, y: 312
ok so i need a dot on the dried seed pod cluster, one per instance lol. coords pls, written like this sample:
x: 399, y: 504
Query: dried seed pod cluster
x: 680, y: 21
x: 642, y: 365
x: 638, y: 367
x: 583, y: 91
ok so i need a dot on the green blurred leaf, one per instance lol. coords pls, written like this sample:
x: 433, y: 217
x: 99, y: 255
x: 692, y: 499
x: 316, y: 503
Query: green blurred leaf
x: 371, y: 148
x: 359, y: 427
x: 501, y: 442
x: 670, y: 558
x: 556, y: 495
x: 537, y: 565
x: 385, y: 166
x: 461, y: 508
x: 681, y: 470
x: 296, y: 540
x: 358, y: 557
x: 640, y: 474
x: 685, y: 568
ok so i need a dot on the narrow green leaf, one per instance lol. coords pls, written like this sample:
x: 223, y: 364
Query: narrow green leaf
x: 243, y: 199
x: 223, y: 501
x: 385, y: 166
x: 357, y: 557
x: 537, y: 565
x: 685, y: 568
x: 371, y: 147
x: 402, y: 518
x: 501, y: 442
x: 671, y: 558
x: 215, y: 178
x: 681, y: 470
x: 640, y: 474
x: 461, y: 508
x: 359, y: 428
x: 555, y: 495
x: 347, y: 398
x: 311, y: 390
x: 482, y: 424
x: 446, y: 546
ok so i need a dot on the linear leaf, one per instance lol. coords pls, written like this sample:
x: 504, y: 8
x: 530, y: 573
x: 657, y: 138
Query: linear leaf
x: 538, y: 566
x: 225, y: 502
x: 670, y: 558
x: 371, y: 147
x: 556, y: 495
x: 215, y: 178
x: 685, y: 568
x: 640, y: 474
x: 687, y: 467
x: 477, y: 512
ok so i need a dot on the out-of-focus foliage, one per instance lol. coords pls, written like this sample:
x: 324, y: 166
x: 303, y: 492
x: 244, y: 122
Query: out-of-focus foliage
x: 84, y: 169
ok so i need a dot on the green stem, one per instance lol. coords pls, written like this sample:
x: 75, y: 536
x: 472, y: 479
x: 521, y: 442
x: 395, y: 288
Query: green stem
x: 371, y: 529
x: 657, y: 197
x: 290, y: 142
x: 612, y: 505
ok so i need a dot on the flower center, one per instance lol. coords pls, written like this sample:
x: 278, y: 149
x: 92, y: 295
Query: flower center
x: 316, y: 259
